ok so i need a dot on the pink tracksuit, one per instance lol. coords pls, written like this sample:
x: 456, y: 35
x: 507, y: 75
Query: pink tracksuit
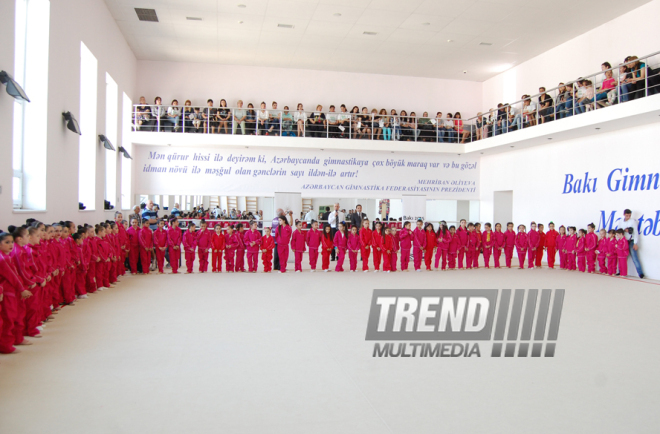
x: 355, y: 244
x: 283, y: 237
x: 498, y: 247
x: 313, y: 241
x: 443, y: 247
x: 622, y: 252
x: 533, y: 240
x: 521, y: 247
x: 603, y: 249
x: 252, y: 236
x: 174, y: 237
x: 377, y: 244
x: 462, y: 235
x: 231, y: 244
x: 591, y: 243
x: 203, y: 247
x: 160, y: 240
x: 487, y: 242
x: 405, y: 241
x: 341, y: 243
x: 570, y: 245
x: 561, y: 246
x: 240, y: 252
x: 395, y: 249
x: 581, y: 254
x: 189, y: 245
x: 419, y: 244
x: 472, y: 249
x: 611, y: 256
x: 298, y: 247
x: 509, y: 244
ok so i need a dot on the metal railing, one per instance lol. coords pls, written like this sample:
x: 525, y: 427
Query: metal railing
x: 633, y: 79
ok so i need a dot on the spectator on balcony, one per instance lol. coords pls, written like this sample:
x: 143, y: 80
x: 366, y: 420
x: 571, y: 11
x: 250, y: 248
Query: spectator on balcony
x: 383, y: 125
x: 514, y: 117
x: 262, y: 119
x: 480, y: 122
x: 450, y: 132
x: 439, y: 126
x: 158, y: 112
x: 355, y: 112
x: 425, y: 128
x: 251, y: 120
x: 317, y: 122
x: 209, y: 115
x: 224, y: 117
x: 625, y: 86
x: 187, y: 116
x: 331, y: 119
x: 299, y: 117
x: 638, y: 77
x: 274, y: 120
x: 374, y: 124
x: 407, y: 125
x: 587, y: 99
x: 605, y: 88
x: 501, y: 122
x: 546, y: 109
x: 344, y: 122
x: 173, y: 116
x: 395, y: 123
x: 560, y: 102
x: 240, y: 116
x: 143, y: 116
x: 287, y: 122
x: 529, y: 110
x: 458, y: 125
x: 365, y: 124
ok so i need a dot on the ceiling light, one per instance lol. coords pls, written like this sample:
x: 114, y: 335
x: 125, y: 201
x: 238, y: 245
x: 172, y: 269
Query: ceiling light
x: 598, y: 128
x: 240, y: 22
x: 450, y: 40
x: 193, y: 18
x: 13, y: 88
x: 549, y: 138
x: 146, y: 14
x: 242, y: 6
x: 485, y: 44
x: 336, y: 14
x: 426, y: 24
x: 370, y: 33
x: 285, y: 26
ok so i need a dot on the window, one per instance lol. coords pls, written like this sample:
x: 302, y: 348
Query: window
x: 88, y: 139
x: 30, y: 137
x: 111, y: 95
x: 126, y: 163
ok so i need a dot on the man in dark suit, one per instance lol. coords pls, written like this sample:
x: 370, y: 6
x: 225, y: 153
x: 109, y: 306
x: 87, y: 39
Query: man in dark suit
x: 357, y: 217
x: 325, y: 215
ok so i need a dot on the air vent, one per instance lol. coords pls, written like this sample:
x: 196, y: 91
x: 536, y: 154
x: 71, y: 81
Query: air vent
x: 146, y: 14
x: 285, y: 26
x: 485, y: 44
x: 193, y: 18
x: 370, y: 33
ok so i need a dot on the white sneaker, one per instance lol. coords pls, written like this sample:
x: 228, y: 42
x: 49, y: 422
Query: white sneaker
x: 298, y: 271
x: 40, y: 328
x: 100, y: 289
x: 366, y: 271
x: 82, y: 296
x: 419, y: 271
x: 311, y: 271
x: 375, y: 271
x: 325, y: 271
x: 388, y: 271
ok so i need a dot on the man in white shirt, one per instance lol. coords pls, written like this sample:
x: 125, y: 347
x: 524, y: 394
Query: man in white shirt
x: 311, y: 215
x: 629, y: 226
x: 334, y: 219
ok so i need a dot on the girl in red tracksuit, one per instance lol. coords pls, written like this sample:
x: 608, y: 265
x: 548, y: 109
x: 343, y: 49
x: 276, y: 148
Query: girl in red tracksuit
x: 326, y: 248
x: 313, y: 241
x: 419, y: 245
x: 551, y: 244
x: 405, y: 241
x: 174, y: 238
x: 217, y: 248
x: 146, y: 240
x: 283, y: 236
x: 376, y: 243
x: 539, y: 251
x: 122, y: 237
x: 388, y: 250
x: 522, y: 244
x: 29, y: 308
x: 353, y: 245
x: 569, y: 247
x: 431, y: 245
x: 231, y: 244
x: 561, y: 247
x: 240, y: 249
x: 102, y: 266
x: 480, y: 247
x: 298, y: 246
x: 189, y: 245
x: 341, y: 243
x: 498, y: 244
x: 533, y: 240
x: 509, y: 244
x: 267, y: 246
x: 89, y: 247
x: 622, y: 252
x: 487, y: 242
x: 160, y: 245
x: 395, y: 248
x: 252, y: 241
x: 82, y: 267
x: 365, y: 241
x: 443, y: 237
x: 452, y: 250
x: 133, y: 234
x: 113, y: 249
x: 472, y: 246
x: 603, y: 248
x: 611, y: 252
x: 590, y: 246
x: 582, y: 251
x: 203, y: 246
x: 11, y: 332
x: 462, y: 234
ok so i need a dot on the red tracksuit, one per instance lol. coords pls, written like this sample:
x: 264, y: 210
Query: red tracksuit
x: 90, y: 244
x: 252, y: 236
x: 551, y: 246
x: 122, y: 237
x: 395, y: 250
x: 81, y: 270
x: 203, y: 247
x: 313, y: 241
x: 146, y: 241
x: 522, y: 244
x: 462, y: 235
x: 603, y: 249
x: 341, y: 243
x: 509, y: 244
x: 452, y: 251
x: 12, y: 285
x: 103, y: 267
x: 231, y: 244
x: 475, y: 258
x: 240, y: 252
x: 283, y: 235
x: 388, y: 245
x: 28, y: 309
x: 267, y: 246
x: 217, y: 248
x: 612, y: 260
x: 366, y: 239
x: 570, y: 246
x: 354, y: 246
x: 419, y: 244
x: 298, y: 247
x: 472, y: 248
x: 443, y: 246
x: 561, y: 247
x: 591, y: 244
x: 133, y: 248
x: 326, y: 250
x: 189, y: 245
x: 582, y: 254
x: 377, y: 244
x: 533, y: 240
x: 160, y: 242
x: 539, y: 251
x: 488, y: 241
x: 405, y: 241
x: 174, y: 238
x: 431, y: 244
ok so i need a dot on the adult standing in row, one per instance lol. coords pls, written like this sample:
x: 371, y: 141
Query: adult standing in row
x: 357, y: 217
x: 632, y: 235
x: 334, y: 218
x: 273, y: 227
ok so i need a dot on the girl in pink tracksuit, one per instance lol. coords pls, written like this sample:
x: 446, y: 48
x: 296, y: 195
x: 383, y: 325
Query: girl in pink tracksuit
x: 395, y: 248
x: 561, y: 247
x: 487, y: 242
x: 231, y: 244
x: 533, y: 239
x: 452, y: 251
x: 509, y: 243
x: 581, y: 251
x: 189, y: 245
x: 622, y: 252
x: 591, y: 244
x: 405, y: 241
x: 298, y: 246
x: 569, y: 248
x: 462, y: 234
x: 603, y: 248
x: 419, y: 245
x: 174, y: 238
x: 283, y: 238
x: 443, y: 237
x: 377, y: 244
x: 313, y: 241
x: 252, y: 241
x: 498, y: 244
x: 341, y: 243
x: 353, y: 246
x: 611, y: 252
x: 521, y: 245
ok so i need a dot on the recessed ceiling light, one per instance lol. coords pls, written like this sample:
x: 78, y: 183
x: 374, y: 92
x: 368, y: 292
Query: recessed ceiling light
x: 193, y: 18
x: 392, y: 152
x: 549, y: 138
x: 370, y: 33
x: 242, y: 6
x: 240, y: 22
x: 247, y: 147
x: 598, y: 128
x: 482, y: 153
x: 485, y: 44
x: 285, y: 26
x: 512, y: 146
x: 322, y: 149
x: 450, y: 40
x: 426, y: 24
x: 336, y: 14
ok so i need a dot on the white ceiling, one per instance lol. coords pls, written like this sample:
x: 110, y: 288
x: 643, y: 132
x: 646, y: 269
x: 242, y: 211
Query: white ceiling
x: 412, y: 35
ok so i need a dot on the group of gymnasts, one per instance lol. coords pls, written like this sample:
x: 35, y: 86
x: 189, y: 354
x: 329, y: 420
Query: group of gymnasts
x: 46, y: 267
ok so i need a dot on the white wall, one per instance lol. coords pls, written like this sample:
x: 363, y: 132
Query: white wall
x: 538, y: 183
x: 634, y: 33
x: 70, y: 22
x: 199, y: 82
